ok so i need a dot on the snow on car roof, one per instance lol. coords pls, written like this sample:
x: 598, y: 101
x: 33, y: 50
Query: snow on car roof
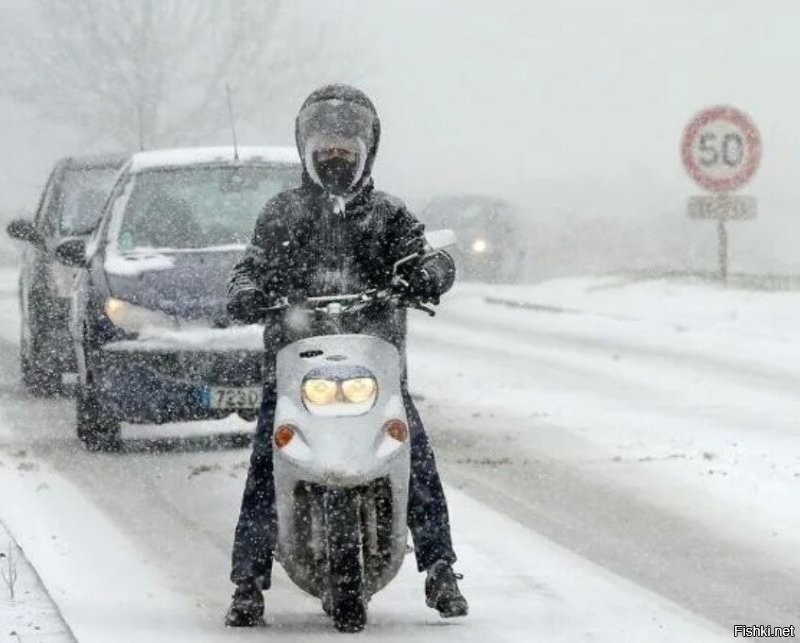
x: 208, y: 155
x: 92, y: 161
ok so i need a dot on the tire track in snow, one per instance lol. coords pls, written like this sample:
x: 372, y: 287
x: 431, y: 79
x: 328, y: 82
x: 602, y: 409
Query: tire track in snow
x: 579, y: 508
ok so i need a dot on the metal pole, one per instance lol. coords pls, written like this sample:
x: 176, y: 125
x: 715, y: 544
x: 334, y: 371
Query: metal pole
x: 722, y: 233
x: 233, y: 124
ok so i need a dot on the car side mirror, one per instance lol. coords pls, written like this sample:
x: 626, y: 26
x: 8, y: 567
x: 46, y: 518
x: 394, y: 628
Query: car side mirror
x: 72, y: 253
x: 24, y: 230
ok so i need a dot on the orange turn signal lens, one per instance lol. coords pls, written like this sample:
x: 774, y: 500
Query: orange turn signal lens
x: 284, y: 434
x: 397, y: 429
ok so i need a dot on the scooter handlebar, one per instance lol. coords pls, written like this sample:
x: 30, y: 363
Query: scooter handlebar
x: 338, y: 304
x: 349, y: 303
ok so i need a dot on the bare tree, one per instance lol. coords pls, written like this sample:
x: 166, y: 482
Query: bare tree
x: 148, y: 73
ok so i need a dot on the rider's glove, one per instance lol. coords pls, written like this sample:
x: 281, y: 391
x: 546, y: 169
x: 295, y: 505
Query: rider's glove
x: 422, y: 285
x: 247, y: 305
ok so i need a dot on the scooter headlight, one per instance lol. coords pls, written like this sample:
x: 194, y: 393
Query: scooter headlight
x: 320, y: 392
x: 359, y: 390
x: 340, y: 394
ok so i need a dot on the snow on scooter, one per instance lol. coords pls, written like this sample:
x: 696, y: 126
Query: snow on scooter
x: 342, y: 453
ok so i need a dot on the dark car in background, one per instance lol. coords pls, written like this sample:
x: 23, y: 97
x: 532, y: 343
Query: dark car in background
x: 152, y: 337
x: 491, y: 232
x: 70, y: 207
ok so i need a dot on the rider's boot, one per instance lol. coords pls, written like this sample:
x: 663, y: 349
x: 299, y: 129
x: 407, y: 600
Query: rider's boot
x: 441, y: 591
x: 247, y: 607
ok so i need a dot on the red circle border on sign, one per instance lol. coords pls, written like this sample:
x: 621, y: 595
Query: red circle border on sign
x: 743, y: 121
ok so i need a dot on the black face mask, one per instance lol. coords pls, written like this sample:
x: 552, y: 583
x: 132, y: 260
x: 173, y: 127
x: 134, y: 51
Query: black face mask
x: 337, y: 174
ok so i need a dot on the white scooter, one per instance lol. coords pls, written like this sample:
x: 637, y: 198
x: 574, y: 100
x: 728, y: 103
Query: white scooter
x: 342, y: 457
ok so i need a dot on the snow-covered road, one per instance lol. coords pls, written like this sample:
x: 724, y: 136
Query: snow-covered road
x: 620, y: 480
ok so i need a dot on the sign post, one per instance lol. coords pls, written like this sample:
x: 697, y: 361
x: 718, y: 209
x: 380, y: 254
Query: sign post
x: 721, y: 151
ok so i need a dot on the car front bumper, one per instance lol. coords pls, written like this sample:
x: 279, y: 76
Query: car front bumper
x: 172, y: 386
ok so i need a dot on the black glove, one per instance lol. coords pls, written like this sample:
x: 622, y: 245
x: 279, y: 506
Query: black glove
x: 422, y: 285
x: 247, y: 305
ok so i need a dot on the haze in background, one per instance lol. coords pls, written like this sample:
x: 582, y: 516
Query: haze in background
x: 572, y: 108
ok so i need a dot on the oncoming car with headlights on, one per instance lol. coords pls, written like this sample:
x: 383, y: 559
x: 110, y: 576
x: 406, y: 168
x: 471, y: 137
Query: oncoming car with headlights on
x: 491, y: 232
x: 152, y: 339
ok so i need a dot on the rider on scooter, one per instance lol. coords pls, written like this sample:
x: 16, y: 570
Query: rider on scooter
x: 335, y: 234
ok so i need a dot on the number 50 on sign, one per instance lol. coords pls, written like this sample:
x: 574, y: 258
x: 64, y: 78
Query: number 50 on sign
x: 721, y: 149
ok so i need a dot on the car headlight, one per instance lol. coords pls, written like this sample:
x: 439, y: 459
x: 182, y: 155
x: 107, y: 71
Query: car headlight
x: 480, y: 245
x: 334, y: 397
x: 134, y: 319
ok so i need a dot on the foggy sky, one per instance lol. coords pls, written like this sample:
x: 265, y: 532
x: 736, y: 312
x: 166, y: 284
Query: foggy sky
x: 565, y: 88
x: 506, y: 95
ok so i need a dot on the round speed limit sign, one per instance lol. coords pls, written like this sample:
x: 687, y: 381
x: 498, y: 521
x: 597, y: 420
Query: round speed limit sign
x: 721, y: 148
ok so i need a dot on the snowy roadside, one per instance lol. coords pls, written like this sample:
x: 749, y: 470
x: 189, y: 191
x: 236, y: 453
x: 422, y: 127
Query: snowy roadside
x: 761, y: 307
x: 27, y: 614
x: 105, y: 589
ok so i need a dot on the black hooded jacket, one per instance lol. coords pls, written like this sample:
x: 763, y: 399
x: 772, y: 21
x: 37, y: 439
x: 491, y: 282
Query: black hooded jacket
x: 302, y: 243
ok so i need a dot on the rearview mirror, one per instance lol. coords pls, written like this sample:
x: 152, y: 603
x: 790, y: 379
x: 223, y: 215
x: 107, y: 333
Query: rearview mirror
x: 441, y: 239
x: 24, y: 230
x: 72, y: 253
x: 436, y: 240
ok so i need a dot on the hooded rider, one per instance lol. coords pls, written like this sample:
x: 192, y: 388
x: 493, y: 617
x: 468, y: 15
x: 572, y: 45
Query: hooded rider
x: 335, y: 234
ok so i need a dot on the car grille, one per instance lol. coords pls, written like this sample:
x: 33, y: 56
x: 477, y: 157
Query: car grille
x: 224, y: 369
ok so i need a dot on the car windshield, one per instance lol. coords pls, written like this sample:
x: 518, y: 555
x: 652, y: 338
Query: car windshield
x: 459, y: 212
x: 199, y: 207
x: 84, y: 192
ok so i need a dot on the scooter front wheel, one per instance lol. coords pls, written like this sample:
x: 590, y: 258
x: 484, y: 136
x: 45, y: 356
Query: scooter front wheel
x: 346, y: 575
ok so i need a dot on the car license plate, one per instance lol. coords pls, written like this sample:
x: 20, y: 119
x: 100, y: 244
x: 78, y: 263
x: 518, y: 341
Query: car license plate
x: 233, y: 399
